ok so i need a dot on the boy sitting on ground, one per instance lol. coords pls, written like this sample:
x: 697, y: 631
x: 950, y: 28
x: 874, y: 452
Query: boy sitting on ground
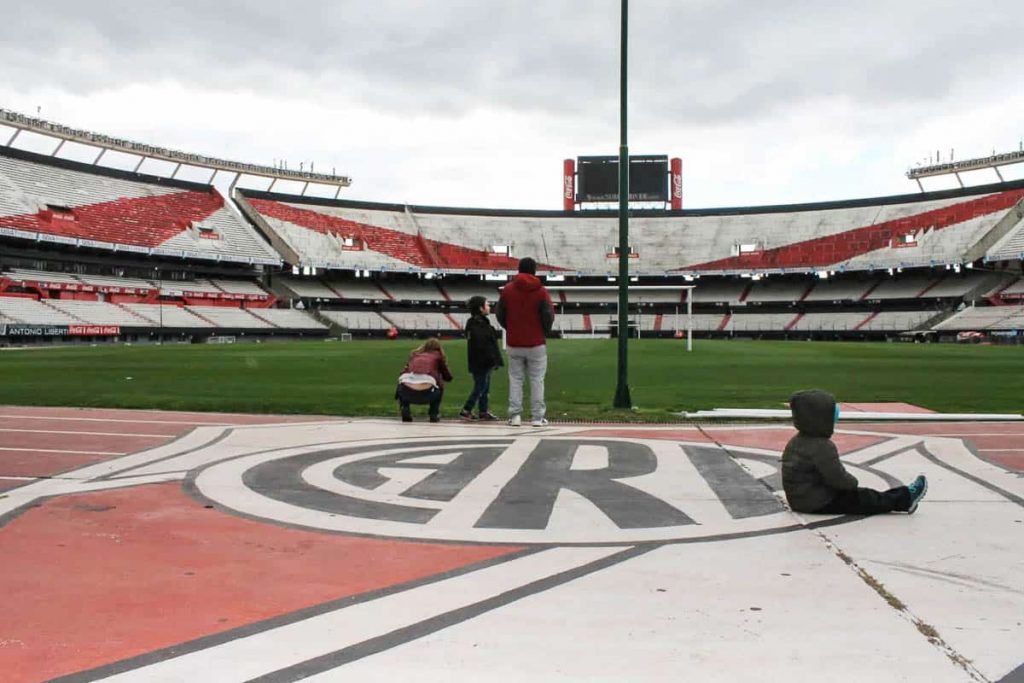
x: 815, y: 480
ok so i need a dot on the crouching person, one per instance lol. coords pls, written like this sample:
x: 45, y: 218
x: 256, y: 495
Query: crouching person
x: 422, y: 380
x: 815, y: 480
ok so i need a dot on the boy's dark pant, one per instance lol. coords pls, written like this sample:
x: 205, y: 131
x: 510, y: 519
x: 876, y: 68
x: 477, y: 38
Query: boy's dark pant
x: 432, y: 397
x: 481, y: 391
x: 864, y: 501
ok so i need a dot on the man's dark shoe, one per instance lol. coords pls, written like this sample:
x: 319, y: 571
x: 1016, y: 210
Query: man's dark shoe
x: 917, y: 489
x: 406, y: 415
x: 466, y: 415
x: 488, y: 417
x: 435, y: 418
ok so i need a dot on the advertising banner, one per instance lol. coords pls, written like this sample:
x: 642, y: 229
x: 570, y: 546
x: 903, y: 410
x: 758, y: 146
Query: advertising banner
x: 677, y: 183
x: 20, y: 330
x: 568, y: 185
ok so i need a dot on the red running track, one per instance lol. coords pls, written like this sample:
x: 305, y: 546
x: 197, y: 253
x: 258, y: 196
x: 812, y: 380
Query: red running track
x: 156, y: 568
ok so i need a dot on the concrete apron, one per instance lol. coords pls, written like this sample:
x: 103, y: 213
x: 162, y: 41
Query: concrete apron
x: 375, y: 550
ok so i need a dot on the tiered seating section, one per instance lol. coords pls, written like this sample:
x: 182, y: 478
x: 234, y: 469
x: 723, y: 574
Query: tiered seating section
x: 986, y: 318
x: 45, y: 283
x: 18, y: 310
x: 35, y: 297
x: 862, y: 235
x: 60, y: 201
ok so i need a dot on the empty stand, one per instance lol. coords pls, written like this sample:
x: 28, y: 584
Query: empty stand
x: 906, y: 286
x: 239, y: 287
x: 985, y: 318
x: 759, y: 322
x: 308, y: 289
x: 168, y: 316
x: 175, y: 287
x: 32, y: 312
x: 41, y: 276
x: 840, y: 289
x: 115, y: 281
x: 960, y: 285
x: 896, y: 321
x: 59, y: 201
x: 719, y: 291
x: 778, y: 290
x: 412, y: 291
x: 357, y: 320
x: 358, y: 290
x: 404, y: 320
x: 1016, y: 289
x: 99, y: 313
x: 702, y: 322
x: 829, y: 322
x: 857, y: 235
x: 288, y: 318
x: 228, y: 316
x: 462, y: 291
x: 1010, y: 247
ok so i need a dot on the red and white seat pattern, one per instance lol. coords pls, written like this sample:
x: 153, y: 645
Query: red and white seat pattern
x: 859, y: 235
x: 59, y: 201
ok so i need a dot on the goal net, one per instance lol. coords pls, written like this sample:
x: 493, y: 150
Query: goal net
x: 653, y: 310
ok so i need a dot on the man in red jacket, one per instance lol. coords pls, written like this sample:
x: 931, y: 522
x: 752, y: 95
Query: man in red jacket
x: 525, y: 311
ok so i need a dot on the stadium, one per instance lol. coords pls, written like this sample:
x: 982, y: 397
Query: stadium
x: 119, y: 256
x: 204, y: 476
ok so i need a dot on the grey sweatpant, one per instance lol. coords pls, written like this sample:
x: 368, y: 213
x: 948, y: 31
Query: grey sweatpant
x: 525, y: 362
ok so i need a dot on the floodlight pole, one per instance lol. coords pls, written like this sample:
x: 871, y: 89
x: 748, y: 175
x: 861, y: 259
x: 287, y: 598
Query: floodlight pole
x: 622, y: 399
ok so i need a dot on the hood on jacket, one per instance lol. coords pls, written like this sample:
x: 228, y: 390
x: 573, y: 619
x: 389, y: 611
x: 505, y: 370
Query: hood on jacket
x: 526, y: 282
x: 814, y: 412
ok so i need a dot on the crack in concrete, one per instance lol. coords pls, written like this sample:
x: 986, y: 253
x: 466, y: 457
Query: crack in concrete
x: 924, y: 628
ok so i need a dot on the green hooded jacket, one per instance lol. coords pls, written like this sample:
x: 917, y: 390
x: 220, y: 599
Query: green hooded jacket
x: 811, y: 471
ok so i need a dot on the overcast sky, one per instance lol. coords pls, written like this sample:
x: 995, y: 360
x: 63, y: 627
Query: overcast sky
x: 461, y: 103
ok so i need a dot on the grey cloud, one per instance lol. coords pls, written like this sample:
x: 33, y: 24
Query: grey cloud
x: 698, y: 61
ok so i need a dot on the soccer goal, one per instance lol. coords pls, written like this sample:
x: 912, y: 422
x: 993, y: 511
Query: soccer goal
x: 637, y: 294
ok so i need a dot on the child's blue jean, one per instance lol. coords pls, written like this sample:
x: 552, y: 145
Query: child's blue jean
x: 481, y: 391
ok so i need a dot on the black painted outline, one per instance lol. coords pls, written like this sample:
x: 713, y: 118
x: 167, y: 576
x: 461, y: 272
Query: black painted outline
x: 1015, y: 676
x: 38, y: 501
x: 190, y: 488
x: 923, y: 451
x: 206, y: 642
x: 1012, y: 497
x: 225, y: 433
x: 433, y: 624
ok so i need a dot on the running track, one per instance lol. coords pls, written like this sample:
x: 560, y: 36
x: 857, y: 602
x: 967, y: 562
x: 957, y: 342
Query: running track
x: 44, y: 443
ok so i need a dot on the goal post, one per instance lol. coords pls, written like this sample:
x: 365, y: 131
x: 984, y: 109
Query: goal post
x: 641, y: 288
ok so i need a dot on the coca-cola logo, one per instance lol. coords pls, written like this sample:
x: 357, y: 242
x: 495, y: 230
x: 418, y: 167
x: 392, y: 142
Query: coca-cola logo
x: 568, y: 187
x: 677, y: 185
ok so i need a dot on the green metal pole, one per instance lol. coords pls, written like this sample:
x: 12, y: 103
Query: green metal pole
x: 622, y: 399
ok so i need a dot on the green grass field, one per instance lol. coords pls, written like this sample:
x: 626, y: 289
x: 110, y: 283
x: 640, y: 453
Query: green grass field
x: 357, y: 378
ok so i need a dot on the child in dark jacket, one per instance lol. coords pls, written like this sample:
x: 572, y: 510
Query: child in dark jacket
x: 484, y: 356
x: 422, y: 380
x: 815, y: 480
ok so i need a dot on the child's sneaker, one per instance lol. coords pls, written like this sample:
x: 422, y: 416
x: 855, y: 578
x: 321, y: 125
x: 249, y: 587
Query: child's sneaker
x: 467, y: 415
x: 539, y: 423
x: 917, y: 489
x: 487, y: 417
x: 515, y: 421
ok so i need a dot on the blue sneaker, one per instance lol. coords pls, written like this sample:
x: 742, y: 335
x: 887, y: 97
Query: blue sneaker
x: 917, y: 489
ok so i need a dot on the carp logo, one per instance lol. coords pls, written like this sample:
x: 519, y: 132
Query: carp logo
x: 558, y: 490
